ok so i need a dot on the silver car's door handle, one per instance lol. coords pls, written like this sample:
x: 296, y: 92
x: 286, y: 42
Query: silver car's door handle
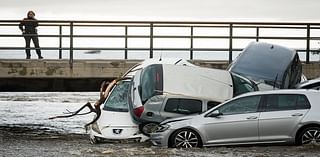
x: 297, y: 115
x: 252, y: 117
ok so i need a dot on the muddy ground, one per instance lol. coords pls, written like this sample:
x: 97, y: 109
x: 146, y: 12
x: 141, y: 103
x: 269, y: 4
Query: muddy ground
x: 22, y: 141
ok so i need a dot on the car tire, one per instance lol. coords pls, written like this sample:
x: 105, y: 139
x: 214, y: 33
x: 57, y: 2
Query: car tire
x: 148, y: 128
x: 309, y: 135
x: 185, y: 138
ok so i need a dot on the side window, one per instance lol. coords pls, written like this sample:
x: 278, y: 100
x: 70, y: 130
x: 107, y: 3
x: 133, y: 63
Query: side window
x: 241, y: 106
x: 183, y: 106
x: 172, y: 105
x: 302, y: 102
x: 286, y: 102
x: 212, y: 104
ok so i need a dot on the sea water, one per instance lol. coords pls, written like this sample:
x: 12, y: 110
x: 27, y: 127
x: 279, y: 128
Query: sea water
x: 33, y: 109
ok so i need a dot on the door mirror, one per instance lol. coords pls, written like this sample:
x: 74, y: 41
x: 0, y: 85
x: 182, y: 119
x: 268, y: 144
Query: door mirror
x: 215, y: 113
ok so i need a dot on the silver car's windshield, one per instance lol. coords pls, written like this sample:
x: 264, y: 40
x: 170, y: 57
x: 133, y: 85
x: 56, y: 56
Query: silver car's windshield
x: 118, y: 98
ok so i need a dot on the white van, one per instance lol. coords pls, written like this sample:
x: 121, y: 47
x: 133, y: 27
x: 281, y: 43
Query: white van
x: 152, y: 84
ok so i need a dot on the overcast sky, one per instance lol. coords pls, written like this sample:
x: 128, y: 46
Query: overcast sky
x: 188, y: 10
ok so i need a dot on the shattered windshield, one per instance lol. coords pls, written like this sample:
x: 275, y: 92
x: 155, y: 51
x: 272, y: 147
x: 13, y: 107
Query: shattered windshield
x: 118, y: 98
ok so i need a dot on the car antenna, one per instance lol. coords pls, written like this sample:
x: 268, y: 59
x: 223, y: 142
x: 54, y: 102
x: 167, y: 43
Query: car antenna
x: 160, y: 59
x: 177, y: 61
x: 275, y: 81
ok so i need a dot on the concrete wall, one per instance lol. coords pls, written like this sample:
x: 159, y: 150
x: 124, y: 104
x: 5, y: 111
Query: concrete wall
x: 311, y: 70
x: 86, y: 75
x: 61, y: 68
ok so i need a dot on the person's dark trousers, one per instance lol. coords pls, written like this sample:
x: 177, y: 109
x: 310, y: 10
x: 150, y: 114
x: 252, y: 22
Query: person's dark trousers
x: 35, y: 40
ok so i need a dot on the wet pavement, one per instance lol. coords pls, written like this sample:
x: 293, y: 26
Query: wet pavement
x: 26, y: 131
x: 25, y: 141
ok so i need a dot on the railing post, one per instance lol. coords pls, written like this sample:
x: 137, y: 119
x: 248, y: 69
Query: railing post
x: 71, y: 45
x: 308, y: 45
x: 60, y: 42
x: 126, y: 43
x: 151, y: 40
x: 230, y: 42
x: 257, y: 34
x: 191, y: 43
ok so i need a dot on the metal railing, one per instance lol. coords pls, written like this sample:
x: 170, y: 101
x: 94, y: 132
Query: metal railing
x: 310, y: 34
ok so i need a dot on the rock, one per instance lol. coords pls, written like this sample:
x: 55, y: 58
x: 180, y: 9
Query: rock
x: 75, y: 152
x: 89, y: 151
x: 108, y: 151
x: 224, y: 152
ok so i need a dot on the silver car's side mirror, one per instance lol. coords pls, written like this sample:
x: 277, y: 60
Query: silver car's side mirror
x: 215, y: 113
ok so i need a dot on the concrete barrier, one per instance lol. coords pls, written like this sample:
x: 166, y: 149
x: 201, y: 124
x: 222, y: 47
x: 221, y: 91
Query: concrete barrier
x: 61, y: 68
x: 85, y: 75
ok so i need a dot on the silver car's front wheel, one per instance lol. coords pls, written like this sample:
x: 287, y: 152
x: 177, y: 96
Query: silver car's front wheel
x: 186, y: 138
x: 310, y: 136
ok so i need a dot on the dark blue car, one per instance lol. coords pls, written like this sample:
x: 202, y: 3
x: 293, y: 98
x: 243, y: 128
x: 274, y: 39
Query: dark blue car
x: 270, y: 66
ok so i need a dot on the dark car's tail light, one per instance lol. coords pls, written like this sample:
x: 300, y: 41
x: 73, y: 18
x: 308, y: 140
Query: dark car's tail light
x: 138, y: 111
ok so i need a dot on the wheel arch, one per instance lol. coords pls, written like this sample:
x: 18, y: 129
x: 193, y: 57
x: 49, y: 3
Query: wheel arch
x: 303, y: 128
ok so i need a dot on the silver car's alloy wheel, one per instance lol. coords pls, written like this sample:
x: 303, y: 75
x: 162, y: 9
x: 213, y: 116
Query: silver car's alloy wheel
x: 311, y: 136
x: 186, y: 139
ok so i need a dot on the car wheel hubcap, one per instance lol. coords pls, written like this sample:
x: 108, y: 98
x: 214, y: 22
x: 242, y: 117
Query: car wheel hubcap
x: 150, y: 128
x: 186, y: 139
x: 311, y: 137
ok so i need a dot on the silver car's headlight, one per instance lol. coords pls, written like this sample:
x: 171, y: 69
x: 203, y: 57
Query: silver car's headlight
x: 163, y: 128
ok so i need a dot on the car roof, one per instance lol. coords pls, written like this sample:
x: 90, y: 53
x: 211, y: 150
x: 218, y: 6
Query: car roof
x: 208, y: 83
x: 281, y: 91
x: 169, y: 95
x: 147, y: 62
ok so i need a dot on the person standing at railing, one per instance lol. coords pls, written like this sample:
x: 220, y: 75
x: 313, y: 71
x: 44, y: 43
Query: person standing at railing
x: 28, y: 27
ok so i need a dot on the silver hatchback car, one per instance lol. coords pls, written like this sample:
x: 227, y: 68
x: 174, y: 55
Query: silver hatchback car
x: 279, y: 116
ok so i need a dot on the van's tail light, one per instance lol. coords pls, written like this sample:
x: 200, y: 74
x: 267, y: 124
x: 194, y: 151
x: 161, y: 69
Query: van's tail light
x: 138, y: 111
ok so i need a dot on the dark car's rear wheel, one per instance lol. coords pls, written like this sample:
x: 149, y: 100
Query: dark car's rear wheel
x: 309, y: 135
x: 185, y: 138
x: 148, y: 128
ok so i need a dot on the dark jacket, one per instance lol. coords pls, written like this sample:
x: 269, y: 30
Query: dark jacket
x: 29, y: 25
